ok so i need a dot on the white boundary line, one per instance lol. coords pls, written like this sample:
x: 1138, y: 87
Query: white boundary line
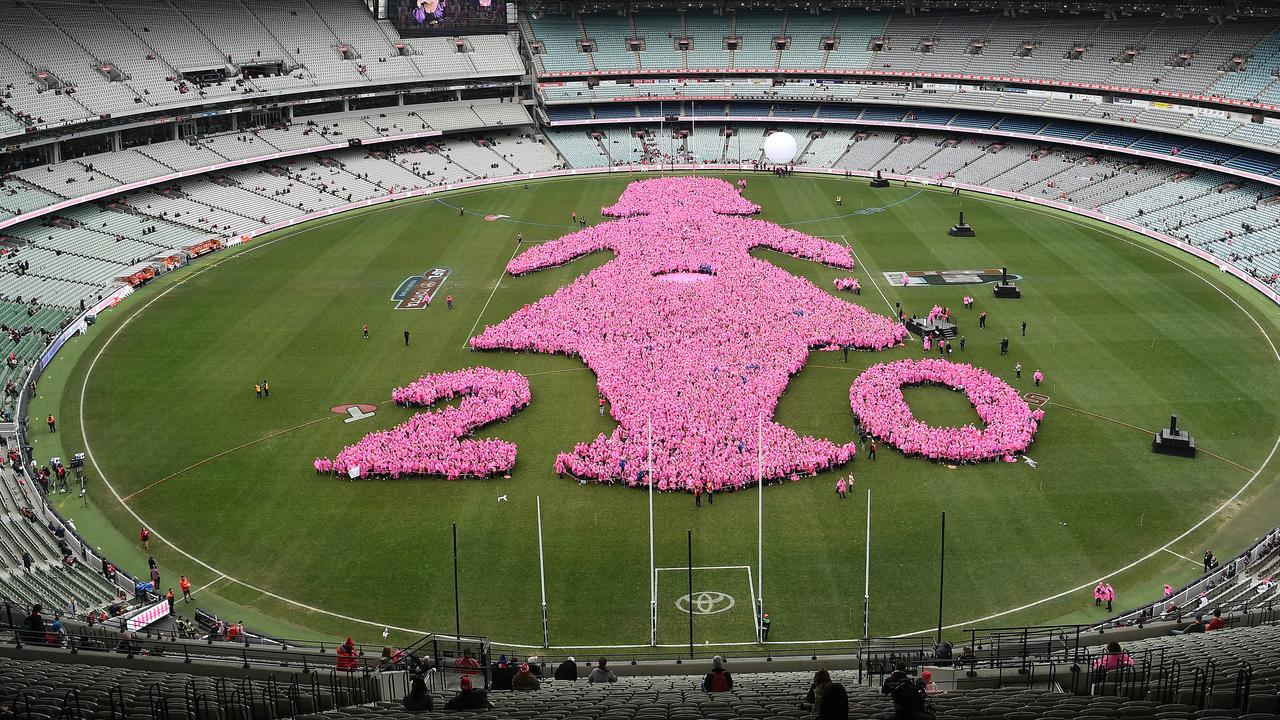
x: 1105, y: 229
x: 709, y: 567
x: 93, y: 459
x: 870, y: 276
x: 1184, y: 557
x: 467, y: 345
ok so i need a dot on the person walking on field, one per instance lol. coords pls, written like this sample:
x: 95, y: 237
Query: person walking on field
x: 266, y: 389
x: 257, y: 390
x: 53, y: 425
x: 448, y: 300
x: 1098, y: 593
x: 982, y: 319
x: 871, y: 450
x: 1109, y: 594
x: 1038, y: 377
x: 185, y: 586
x: 697, y: 496
x: 1017, y: 371
x: 841, y: 488
x: 406, y: 338
x: 365, y: 331
x: 144, y: 535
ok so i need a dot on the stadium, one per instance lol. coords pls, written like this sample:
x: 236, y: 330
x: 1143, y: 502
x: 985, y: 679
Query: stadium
x: 534, y: 359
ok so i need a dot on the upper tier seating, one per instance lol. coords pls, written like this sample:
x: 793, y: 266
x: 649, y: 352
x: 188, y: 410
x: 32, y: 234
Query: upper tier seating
x: 80, y: 254
x: 1130, y: 52
x: 148, y: 44
x: 29, y: 190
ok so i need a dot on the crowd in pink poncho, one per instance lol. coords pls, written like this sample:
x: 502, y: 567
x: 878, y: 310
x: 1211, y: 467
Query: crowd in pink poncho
x: 877, y: 400
x: 688, y: 332
x: 848, y: 284
x: 429, y: 442
x: 693, y: 342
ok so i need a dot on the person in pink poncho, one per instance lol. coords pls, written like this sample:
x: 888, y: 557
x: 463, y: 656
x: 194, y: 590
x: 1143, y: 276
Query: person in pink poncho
x: 690, y: 335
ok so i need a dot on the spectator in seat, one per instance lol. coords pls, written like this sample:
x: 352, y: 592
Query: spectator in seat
x: 942, y: 654
x: 907, y: 693
x: 719, y: 679
x: 535, y: 666
x: 567, y: 670
x: 602, y: 673
x: 835, y: 703
x: 817, y: 688
x: 33, y: 627
x: 347, y: 656
x: 1217, y: 623
x: 419, y: 697
x: 501, y: 674
x: 1113, y: 659
x: 468, y: 698
x: 525, y: 680
x: 1197, y: 626
x: 931, y: 687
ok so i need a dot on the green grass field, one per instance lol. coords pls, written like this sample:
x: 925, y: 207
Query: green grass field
x: 161, y: 394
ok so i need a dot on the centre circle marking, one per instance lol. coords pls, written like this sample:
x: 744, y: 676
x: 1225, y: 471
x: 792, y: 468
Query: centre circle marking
x: 707, y: 602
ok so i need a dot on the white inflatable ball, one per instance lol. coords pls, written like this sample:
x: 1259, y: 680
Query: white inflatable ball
x: 780, y: 148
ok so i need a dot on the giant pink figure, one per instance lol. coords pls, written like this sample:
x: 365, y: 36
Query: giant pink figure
x: 691, y: 338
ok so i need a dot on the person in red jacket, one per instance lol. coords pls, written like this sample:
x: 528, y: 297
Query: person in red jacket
x: 347, y: 655
x: 185, y: 586
x: 1217, y: 623
x: 144, y: 536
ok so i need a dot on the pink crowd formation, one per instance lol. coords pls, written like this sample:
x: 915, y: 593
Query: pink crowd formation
x: 430, y: 443
x: 848, y: 284
x: 690, y: 336
x: 877, y: 400
x: 693, y: 342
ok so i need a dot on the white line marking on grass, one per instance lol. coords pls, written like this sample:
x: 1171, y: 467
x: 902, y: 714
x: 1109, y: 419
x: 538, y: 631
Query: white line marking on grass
x: 1184, y: 557
x: 870, y: 276
x: 710, y: 567
x: 472, y: 331
x: 138, y: 518
x: 1107, y: 230
x: 205, y: 586
x: 211, y: 458
x: 751, y: 588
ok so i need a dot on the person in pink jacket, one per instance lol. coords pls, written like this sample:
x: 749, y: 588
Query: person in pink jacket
x: 1108, y: 594
x: 1097, y: 595
x: 1114, y: 659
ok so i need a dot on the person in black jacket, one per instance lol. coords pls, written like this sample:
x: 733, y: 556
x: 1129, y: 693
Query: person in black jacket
x: 907, y: 694
x: 33, y: 627
x: 835, y: 703
x: 567, y: 670
x: 419, y: 697
x: 500, y: 674
x: 469, y: 698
